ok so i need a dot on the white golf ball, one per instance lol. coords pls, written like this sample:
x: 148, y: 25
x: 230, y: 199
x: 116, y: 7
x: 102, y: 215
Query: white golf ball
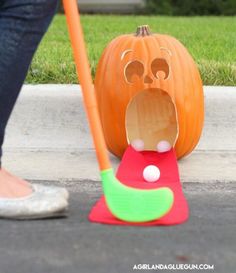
x: 163, y: 146
x: 138, y: 145
x: 151, y: 173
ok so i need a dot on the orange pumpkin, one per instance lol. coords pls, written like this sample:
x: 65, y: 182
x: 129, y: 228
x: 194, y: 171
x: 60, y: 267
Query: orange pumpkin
x: 145, y: 61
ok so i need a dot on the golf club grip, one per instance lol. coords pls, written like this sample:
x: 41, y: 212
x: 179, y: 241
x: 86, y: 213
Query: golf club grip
x: 85, y: 78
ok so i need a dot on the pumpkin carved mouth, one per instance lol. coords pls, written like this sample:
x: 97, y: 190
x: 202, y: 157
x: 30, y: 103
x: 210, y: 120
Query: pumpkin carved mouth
x: 151, y: 116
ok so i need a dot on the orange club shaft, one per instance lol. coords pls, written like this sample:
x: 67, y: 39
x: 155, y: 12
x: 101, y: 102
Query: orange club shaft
x: 85, y: 79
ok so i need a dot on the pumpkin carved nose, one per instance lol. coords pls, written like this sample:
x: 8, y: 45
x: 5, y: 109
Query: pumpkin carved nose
x: 148, y: 79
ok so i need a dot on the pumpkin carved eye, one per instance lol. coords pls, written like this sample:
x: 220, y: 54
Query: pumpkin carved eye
x: 160, y: 67
x: 133, y: 70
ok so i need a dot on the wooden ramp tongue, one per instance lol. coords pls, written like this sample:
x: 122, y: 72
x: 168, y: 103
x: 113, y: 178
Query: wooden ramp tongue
x: 130, y: 172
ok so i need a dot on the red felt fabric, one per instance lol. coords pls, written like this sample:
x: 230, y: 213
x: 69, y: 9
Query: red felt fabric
x: 130, y: 173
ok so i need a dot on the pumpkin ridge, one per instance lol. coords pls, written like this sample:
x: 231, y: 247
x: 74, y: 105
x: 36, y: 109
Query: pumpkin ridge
x: 192, y: 76
x: 187, y: 132
x: 169, y: 83
x: 188, y: 128
x: 129, y: 87
x: 148, y: 53
x: 168, y: 86
x: 178, y: 87
x: 118, y: 113
x: 113, y: 103
x: 157, y: 44
x: 200, y: 119
x: 130, y: 93
x: 107, y: 57
x: 194, y: 130
x: 189, y: 82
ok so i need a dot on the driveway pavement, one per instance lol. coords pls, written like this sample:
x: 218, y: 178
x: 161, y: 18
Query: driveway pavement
x: 74, y: 245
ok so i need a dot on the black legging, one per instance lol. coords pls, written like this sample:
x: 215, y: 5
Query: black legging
x: 22, y: 26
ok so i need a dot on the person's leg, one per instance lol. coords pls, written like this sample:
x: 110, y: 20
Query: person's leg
x: 22, y: 26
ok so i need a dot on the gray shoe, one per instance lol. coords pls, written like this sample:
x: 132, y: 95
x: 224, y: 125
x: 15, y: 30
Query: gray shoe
x: 54, y: 190
x: 44, y: 202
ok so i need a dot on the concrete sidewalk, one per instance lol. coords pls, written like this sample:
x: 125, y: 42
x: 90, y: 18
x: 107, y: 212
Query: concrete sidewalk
x: 49, y: 128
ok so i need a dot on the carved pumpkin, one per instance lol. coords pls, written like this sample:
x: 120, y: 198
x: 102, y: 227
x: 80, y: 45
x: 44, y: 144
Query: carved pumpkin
x: 145, y: 62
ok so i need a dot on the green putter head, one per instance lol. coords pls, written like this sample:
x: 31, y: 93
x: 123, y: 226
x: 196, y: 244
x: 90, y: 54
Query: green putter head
x: 135, y: 205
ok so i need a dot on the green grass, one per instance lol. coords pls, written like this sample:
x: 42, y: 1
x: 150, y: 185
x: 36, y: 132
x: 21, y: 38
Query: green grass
x: 210, y: 40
